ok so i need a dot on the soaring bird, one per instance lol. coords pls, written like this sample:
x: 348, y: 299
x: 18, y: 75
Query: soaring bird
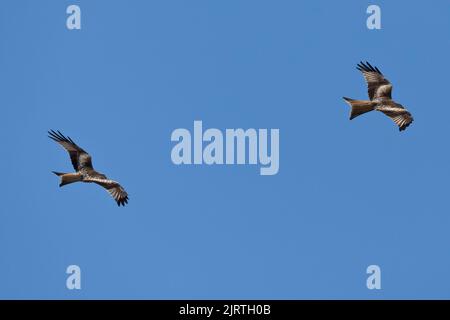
x: 380, y: 90
x: 82, y: 163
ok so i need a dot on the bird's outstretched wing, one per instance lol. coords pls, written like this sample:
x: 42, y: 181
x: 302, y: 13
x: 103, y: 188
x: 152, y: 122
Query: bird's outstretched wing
x: 377, y: 85
x: 400, y: 116
x: 78, y: 156
x: 113, y: 187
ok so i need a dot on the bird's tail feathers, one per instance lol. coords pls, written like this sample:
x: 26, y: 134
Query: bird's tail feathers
x: 359, y: 107
x: 67, y: 178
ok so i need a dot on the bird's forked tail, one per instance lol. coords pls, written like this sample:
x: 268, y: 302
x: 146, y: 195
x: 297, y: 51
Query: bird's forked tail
x: 359, y: 107
x: 67, y: 178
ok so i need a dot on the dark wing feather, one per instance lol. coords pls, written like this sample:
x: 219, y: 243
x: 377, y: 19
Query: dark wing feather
x: 377, y: 85
x: 400, y: 116
x: 113, y: 187
x: 78, y: 156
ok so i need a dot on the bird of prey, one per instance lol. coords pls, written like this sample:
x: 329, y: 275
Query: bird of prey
x: 380, y: 90
x: 82, y: 163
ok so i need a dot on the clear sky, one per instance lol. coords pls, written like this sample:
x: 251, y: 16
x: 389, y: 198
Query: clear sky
x: 348, y: 194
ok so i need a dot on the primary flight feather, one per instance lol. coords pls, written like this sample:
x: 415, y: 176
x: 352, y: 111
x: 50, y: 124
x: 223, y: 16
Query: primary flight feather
x: 84, y: 171
x: 380, y: 95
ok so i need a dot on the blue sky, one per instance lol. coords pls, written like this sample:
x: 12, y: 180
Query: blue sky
x: 348, y: 193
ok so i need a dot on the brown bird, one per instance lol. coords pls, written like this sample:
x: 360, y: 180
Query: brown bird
x: 380, y: 90
x: 82, y: 163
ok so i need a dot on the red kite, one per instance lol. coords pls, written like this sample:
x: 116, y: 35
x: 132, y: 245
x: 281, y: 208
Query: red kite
x: 82, y: 163
x: 379, y: 89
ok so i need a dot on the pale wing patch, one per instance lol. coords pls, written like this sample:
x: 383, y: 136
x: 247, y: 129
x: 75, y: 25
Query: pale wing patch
x: 114, y: 188
x: 400, y: 116
x: 377, y: 85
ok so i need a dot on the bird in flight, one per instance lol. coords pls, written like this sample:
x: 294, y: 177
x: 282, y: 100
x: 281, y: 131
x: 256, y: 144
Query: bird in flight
x: 84, y: 171
x: 380, y: 90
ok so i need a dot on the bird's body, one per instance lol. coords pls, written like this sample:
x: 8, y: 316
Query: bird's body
x: 85, y: 172
x: 380, y: 95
